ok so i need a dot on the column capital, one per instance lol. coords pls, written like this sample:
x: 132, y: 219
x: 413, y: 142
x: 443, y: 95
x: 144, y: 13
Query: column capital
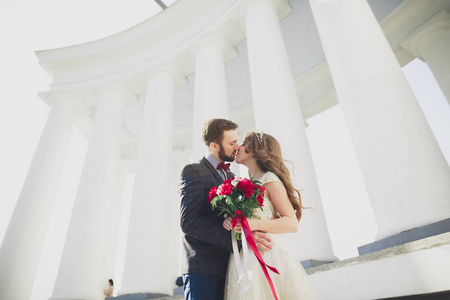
x: 51, y: 97
x: 166, y: 68
x: 281, y: 6
x: 214, y: 39
x: 127, y: 96
x: 72, y: 104
x: 431, y: 29
x: 61, y: 97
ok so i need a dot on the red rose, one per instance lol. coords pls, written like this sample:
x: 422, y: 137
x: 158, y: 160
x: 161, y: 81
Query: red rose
x: 212, y: 193
x: 245, y: 186
x: 260, y: 200
x: 261, y: 189
x: 228, y: 180
x: 225, y: 188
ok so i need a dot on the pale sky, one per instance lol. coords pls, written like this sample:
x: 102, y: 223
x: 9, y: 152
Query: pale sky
x: 27, y: 26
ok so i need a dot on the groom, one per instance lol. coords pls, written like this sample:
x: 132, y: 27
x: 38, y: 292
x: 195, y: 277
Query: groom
x: 207, y: 245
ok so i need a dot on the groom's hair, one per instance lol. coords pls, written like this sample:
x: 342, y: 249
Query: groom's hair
x: 214, y: 128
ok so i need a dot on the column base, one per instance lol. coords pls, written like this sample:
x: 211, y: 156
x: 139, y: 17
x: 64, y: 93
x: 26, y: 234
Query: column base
x: 311, y: 263
x: 139, y: 296
x: 407, y: 236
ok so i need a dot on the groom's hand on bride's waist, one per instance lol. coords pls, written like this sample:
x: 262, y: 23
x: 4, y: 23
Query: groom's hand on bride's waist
x: 263, y: 241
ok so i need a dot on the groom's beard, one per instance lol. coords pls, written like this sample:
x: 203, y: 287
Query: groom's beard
x: 223, y: 156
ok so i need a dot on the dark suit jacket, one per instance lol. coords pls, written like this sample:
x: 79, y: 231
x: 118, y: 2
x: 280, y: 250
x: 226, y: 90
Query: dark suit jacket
x: 207, y: 245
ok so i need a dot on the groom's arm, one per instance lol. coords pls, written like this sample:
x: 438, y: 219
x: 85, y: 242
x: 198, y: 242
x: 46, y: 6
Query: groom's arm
x: 194, y: 196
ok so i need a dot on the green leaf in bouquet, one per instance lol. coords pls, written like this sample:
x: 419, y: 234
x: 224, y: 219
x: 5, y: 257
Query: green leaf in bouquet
x: 231, y: 203
x: 222, y: 210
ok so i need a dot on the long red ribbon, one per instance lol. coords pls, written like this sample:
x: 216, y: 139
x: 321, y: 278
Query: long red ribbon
x: 252, y: 244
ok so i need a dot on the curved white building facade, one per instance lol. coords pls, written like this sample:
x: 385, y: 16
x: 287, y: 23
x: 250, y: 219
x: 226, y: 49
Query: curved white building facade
x: 200, y: 59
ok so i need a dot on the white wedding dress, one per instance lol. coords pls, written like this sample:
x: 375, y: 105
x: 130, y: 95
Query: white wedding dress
x: 290, y: 284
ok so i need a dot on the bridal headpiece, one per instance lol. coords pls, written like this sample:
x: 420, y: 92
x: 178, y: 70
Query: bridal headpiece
x: 259, y: 135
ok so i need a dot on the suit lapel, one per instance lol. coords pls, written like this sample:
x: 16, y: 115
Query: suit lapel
x: 212, y: 169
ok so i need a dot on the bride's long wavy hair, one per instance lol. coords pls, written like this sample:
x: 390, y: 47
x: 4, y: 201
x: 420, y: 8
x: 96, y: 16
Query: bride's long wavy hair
x: 267, y: 152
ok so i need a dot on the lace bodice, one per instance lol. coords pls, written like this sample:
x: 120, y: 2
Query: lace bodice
x: 268, y: 210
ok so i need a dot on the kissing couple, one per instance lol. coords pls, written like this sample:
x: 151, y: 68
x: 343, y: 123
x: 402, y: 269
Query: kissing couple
x: 208, y: 268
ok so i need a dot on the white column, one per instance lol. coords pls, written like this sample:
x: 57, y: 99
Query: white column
x: 86, y: 261
x: 277, y: 112
x: 22, y: 245
x: 431, y: 43
x: 149, y: 264
x: 118, y: 206
x: 179, y: 160
x: 210, y: 94
x: 406, y: 175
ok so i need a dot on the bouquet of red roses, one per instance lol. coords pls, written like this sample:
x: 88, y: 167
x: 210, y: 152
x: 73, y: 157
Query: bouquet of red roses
x: 237, y: 196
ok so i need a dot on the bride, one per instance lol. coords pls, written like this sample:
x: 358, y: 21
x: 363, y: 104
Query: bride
x: 282, y: 210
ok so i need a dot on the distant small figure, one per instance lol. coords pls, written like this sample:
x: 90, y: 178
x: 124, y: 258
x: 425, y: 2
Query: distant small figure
x: 109, y: 291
